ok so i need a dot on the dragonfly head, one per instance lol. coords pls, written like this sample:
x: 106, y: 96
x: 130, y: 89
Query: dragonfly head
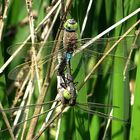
x: 70, y: 25
x: 69, y: 99
x: 67, y: 94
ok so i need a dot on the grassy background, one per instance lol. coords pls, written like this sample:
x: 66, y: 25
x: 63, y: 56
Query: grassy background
x: 108, y: 89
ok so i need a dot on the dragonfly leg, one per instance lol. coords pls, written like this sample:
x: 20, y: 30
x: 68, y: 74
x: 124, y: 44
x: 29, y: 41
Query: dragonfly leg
x: 71, y: 85
x: 61, y: 69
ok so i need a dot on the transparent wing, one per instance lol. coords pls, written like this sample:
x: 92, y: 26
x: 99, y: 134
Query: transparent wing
x: 127, y: 41
x: 91, y: 59
x: 98, y: 113
x: 87, y: 104
x: 20, y: 72
x: 48, y: 46
x: 95, y: 105
x: 27, y: 106
x: 25, y: 51
x: 90, y: 55
x: 23, y: 109
x: 88, y: 107
x: 96, y: 55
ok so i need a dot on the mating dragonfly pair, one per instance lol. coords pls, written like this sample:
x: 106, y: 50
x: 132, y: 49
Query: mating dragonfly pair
x: 66, y: 86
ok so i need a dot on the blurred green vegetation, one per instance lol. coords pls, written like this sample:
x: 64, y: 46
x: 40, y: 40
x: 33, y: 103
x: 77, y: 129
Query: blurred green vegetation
x: 105, y: 89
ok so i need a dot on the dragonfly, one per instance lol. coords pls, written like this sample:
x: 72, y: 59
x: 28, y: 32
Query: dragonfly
x: 69, y: 44
x: 89, y: 55
x: 65, y: 99
x: 94, y: 52
x: 86, y: 58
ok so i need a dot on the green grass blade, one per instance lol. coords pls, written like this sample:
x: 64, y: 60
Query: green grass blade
x: 135, y: 127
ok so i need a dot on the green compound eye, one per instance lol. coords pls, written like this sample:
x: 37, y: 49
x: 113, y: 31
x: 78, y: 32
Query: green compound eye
x: 70, y: 25
x: 67, y: 94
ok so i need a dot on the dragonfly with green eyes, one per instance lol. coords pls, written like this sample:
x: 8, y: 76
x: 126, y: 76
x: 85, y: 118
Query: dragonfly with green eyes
x: 89, y: 56
x: 69, y: 45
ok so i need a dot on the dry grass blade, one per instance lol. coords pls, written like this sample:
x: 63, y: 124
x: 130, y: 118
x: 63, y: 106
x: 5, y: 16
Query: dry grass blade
x: 48, y: 124
x: 7, y: 123
x: 46, y: 82
x: 20, y: 47
x: 106, y: 54
x: 3, y: 17
x: 107, y: 30
x: 28, y: 92
x: 26, y: 120
x: 107, y: 125
x: 86, y: 17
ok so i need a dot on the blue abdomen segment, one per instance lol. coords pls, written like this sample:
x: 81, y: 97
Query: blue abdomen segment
x: 68, y: 55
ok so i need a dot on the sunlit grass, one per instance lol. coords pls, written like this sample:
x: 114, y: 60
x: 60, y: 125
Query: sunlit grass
x: 108, y: 88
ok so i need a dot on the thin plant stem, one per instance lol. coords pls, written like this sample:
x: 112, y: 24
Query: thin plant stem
x: 27, y: 111
x: 58, y: 128
x: 130, y: 54
x: 86, y: 17
x: 22, y: 103
x: 4, y: 17
x: 48, y: 124
x: 32, y: 31
x: 106, y: 54
x: 107, y: 125
x: 22, y: 122
x: 106, y: 31
x: 7, y: 122
x: 46, y: 81
x: 23, y: 44
x: 20, y: 93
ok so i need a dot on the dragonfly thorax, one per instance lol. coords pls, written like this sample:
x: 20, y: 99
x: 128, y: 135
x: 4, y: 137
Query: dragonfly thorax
x: 70, y: 41
x: 70, y: 36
